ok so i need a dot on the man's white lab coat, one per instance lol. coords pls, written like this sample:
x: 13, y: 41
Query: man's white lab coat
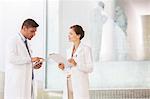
x: 18, y: 70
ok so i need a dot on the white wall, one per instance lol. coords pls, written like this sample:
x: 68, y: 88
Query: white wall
x: 1, y: 42
x: 73, y: 12
x: 134, y: 34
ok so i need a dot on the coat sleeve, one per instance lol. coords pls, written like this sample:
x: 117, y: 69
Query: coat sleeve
x: 13, y: 56
x: 87, y: 65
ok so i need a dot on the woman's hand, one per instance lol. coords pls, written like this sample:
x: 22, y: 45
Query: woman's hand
x: 72, y: 61
x: 61, y: 66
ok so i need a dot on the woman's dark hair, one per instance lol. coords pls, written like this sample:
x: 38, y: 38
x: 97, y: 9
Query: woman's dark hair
x: 79, y: 30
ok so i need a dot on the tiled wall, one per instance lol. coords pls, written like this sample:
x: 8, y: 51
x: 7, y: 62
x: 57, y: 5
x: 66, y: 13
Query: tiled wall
x: 107, y: 94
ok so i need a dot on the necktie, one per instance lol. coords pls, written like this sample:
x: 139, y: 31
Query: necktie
x: 26, y: 43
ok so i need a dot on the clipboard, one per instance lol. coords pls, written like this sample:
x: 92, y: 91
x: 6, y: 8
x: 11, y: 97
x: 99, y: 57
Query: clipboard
x: 58, y: 58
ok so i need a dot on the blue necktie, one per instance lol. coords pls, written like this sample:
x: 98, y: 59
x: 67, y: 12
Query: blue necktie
x: 26, y: 43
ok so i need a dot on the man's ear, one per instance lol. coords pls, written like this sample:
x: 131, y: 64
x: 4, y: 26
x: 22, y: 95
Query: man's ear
x: 24, y: 28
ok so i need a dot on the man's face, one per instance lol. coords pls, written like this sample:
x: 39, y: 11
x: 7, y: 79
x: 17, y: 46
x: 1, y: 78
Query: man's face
x: 29, y: 32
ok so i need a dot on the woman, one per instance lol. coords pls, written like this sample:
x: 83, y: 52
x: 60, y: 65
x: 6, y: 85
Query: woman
x: 80, y: 58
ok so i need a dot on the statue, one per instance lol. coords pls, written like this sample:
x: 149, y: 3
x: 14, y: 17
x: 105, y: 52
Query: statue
x: 97, y: 18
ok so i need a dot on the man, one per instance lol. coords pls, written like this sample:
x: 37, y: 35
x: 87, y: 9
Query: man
x: 19, y: 74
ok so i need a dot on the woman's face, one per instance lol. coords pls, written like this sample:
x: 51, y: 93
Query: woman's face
x: 73, y: 37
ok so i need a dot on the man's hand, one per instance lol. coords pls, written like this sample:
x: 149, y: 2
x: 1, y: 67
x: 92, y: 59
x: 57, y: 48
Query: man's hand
x: 37, y: 60
x: 38, y: 66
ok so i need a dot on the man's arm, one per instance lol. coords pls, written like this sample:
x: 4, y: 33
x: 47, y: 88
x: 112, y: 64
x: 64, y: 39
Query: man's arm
x: 13, y: 56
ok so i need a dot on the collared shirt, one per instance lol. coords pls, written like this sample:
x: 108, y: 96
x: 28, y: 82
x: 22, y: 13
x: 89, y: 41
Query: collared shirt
x: 25, y: 42
x: 22, y: 37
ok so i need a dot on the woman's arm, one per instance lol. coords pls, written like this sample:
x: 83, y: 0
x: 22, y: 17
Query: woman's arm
x: 85, y: 65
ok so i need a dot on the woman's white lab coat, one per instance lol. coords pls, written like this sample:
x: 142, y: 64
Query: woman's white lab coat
x: 79, y: 74
x: 18, y: 70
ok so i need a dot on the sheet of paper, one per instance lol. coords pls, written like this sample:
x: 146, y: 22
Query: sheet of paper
x: 59, y: 59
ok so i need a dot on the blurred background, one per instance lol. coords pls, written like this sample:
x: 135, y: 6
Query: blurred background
x: 117, y: 30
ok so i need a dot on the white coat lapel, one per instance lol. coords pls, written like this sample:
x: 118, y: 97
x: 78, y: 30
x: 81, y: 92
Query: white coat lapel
x: 69, y: 55
x: 23, y: 45
x: 78, y: 50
